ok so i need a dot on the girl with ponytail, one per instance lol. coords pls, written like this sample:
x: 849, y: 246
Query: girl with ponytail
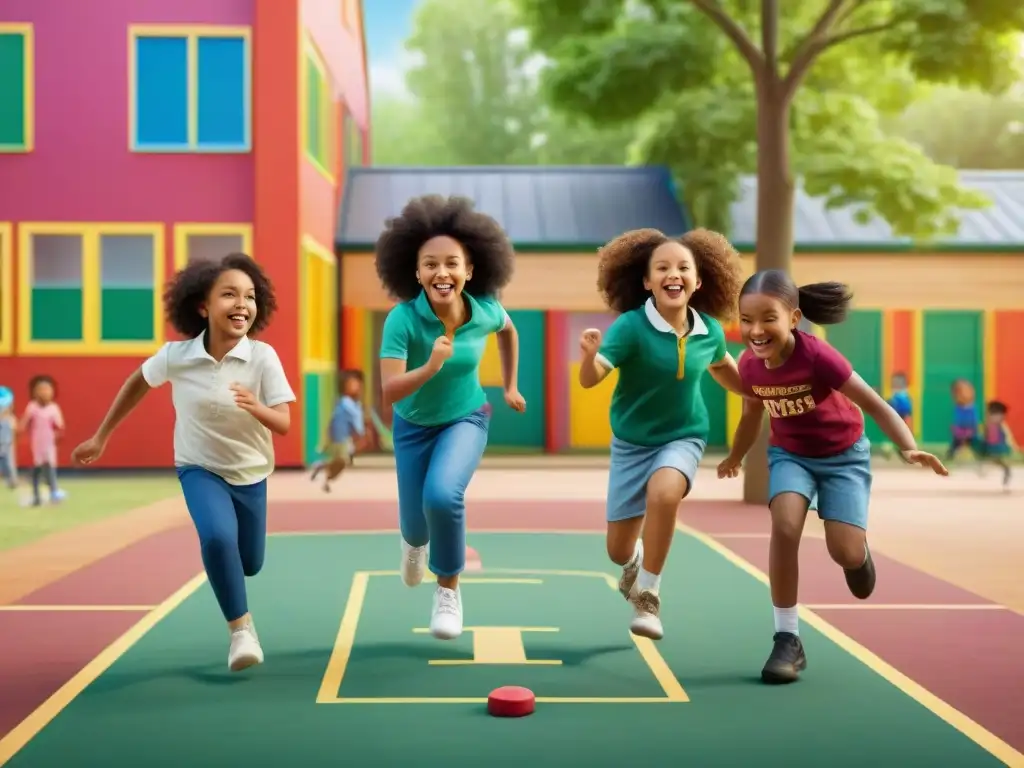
x: 816, y: 403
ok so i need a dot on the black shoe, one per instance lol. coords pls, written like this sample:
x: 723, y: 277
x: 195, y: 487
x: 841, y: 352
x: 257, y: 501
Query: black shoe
x: 861, y: 581
x: 787, y: 660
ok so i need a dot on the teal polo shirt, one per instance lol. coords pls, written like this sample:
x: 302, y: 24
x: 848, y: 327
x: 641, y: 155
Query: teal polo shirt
x: 409, y: 333
x: 658, y: 396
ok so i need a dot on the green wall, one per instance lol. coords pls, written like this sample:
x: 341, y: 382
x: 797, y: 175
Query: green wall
x: 317, y: 404
x: 859, y: 338
x: 953, y: 347
x: 511, y: 430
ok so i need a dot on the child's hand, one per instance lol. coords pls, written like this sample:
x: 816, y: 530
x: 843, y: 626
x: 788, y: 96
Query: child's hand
x: 926, y: 460
x: 729, y: 467
x: 244, y: 399
x: 514, y: 400
x: 88, y: 452
x: 590, y: 342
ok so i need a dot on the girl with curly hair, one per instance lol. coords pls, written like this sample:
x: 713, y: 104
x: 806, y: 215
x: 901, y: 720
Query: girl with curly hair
x: 671, y: 294
x: 445, y: 263
x: 230, y: 393
x: 816, y: 403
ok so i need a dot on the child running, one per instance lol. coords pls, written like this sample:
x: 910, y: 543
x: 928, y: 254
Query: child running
x: 997, y: 443
x: 671, y: 294
x: 44, y: 422
x: 346, y: 426
x: 445, y: 263
x: 8, y: 431
x: 815, y: 401
x: 230, y: 394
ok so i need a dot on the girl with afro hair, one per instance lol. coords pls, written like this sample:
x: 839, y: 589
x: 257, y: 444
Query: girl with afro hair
x: 445, y: 263
x: 230, y: 393
x: 671, y: 294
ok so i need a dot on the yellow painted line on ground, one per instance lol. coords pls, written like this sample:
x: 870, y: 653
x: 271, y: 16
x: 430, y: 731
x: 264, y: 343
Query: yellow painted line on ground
x: 906, y: 607
x: 26, y: 608
x: 30, y: 727
x: 953, y: 717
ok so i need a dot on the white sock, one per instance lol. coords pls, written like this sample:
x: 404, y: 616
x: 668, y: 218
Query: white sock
x: 787, y: 620
x: 648, y: 581
x: 636, y: 554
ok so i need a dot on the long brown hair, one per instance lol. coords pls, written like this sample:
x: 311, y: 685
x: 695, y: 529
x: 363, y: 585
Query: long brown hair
x: 821, y: 303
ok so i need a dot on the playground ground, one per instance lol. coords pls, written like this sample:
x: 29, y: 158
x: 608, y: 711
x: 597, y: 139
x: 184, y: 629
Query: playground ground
x: 111, y: 652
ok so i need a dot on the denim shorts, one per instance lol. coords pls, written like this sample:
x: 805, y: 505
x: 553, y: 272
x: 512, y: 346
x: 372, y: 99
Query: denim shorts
x: 632, y: 466
x: 839, y: 486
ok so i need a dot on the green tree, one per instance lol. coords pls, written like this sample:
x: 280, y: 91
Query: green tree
x: 725, y: 87
x: 475, y: 98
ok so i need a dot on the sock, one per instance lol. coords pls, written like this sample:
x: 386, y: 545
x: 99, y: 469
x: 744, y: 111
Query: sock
x: 787, y: 620
x: 636, y: 554
x: 648, y: 581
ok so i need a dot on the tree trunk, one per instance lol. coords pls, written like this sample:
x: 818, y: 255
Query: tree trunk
x: 774, y: 241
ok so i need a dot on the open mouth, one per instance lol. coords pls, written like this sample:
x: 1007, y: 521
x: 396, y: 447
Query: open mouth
x: 674, y: 291
x: 760, y: 344
x: 239, y: 321
x: 444, y: 290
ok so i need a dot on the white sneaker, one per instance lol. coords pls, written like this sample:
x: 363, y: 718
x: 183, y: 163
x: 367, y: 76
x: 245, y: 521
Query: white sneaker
x: 414, y: 563
x: 446, y: 620
x: 647, y: 616
x: 627, y: 582
x: 246, y: 650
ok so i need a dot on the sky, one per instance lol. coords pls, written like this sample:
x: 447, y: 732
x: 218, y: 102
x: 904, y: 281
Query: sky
x: 387, y: 24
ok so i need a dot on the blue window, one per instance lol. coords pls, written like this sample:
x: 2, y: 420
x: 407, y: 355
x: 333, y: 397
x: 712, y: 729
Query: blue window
x: 190, y: 91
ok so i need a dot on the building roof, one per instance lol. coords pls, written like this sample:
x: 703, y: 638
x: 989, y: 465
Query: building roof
x: 1000, y: 227
x: 546, y: 208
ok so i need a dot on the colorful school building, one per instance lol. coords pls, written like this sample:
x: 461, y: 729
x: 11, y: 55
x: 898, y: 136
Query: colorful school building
x: 137, y: 135
x: 935, y: 314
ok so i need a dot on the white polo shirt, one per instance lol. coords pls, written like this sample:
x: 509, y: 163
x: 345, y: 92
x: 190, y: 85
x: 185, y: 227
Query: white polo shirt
x: 210, y: 430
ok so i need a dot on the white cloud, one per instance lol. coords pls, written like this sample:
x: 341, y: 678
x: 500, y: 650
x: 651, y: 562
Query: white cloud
x: 387, y: 74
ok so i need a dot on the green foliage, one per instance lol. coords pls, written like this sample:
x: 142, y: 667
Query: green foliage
x: 668, y: 68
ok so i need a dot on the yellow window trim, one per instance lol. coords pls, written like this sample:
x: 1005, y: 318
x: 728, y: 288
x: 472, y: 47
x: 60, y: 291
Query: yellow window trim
x: 28, y: 70
x: 92, y: 345
x: 6, y: 289
x: 327, y: 116
x: 182, y: 232
x: 191, y: 33
x: 309, y: 361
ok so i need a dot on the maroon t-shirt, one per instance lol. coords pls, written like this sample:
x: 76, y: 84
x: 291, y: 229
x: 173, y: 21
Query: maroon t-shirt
x: 809, y: 417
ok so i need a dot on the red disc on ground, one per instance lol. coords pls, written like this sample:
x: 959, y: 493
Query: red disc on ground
x: 511, y: 701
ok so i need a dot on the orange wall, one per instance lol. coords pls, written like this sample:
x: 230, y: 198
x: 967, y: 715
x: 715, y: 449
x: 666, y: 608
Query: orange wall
x: 1009, y: 367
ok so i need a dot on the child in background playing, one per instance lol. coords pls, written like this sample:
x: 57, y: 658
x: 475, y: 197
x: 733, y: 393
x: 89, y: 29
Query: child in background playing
x: 671, y: 294
x: 816, y: 403
x: 964, y: 429
x: 998, y: 443
x: 230, y: 395
x: 346, y: 421
x: 902, y: 404
x: 44, y: 422
x: 8, y: 431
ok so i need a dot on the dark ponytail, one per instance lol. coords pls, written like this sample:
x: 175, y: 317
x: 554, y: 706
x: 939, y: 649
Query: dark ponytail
x: 824, y: 303
x: 821, y: 303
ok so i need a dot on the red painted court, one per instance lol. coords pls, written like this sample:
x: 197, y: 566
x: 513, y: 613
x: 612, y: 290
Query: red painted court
x: 942, y: 664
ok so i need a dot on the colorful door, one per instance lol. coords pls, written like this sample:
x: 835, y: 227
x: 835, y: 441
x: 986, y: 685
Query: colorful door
x: 859, y: 338
x: 953, y: 347
x: 510, y: 430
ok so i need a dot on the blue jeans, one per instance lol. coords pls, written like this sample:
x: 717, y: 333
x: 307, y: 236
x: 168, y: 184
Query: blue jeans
x: 435, y: 465
x: 231, y: 521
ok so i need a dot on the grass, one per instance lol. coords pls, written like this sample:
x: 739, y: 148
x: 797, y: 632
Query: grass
x: 89, y: 499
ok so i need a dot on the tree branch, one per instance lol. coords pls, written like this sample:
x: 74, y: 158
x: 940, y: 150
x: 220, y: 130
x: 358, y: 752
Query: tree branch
x: 770, y: 35
x: 733, y: 31
x: 808, y: 50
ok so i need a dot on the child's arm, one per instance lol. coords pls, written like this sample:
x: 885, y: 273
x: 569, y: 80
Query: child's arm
x: 599, y: 357
x: 894, y: 427
x: 747, y: 432
x: 727, y: 374
x: 508, y: 351
x: 127, y: 399
x: 397, y: 382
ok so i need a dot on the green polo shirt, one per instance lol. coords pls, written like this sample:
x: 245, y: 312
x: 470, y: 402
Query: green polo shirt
x: 658, y: 396
x: 409, y: 333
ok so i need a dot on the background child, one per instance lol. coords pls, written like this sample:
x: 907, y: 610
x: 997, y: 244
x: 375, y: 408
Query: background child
x: 8, y: 431
x: 997, y: 443
x: 230, y: 393
x: 670, y: 294
x: 900, y: 402
x: 346, y: 430
x: 964, y: 429
x: 816, y: 403
x: 44, y: 423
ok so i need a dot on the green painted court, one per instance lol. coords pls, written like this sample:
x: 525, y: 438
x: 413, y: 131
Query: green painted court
x: 351, y: 678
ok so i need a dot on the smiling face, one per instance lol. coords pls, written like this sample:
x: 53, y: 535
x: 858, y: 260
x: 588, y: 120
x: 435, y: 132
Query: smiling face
x: 230, y: 307
x: 671, y: 276
x: 442, y: 268
x: 766, y: 325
